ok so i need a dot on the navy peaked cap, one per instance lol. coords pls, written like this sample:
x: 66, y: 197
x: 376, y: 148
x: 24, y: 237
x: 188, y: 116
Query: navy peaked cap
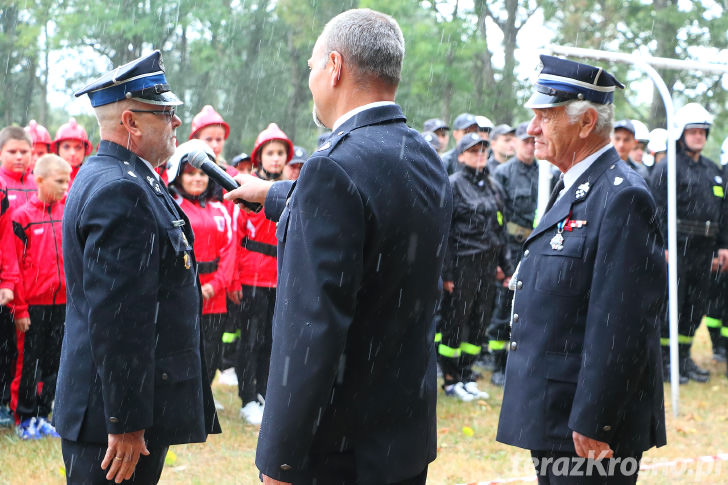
x: 562, y: 81
x: 469, y: 141
x: 625, y: 125
x: 435, y: 124
x: 432, y: 139
x: 141, y: 79
x: 299, y: 155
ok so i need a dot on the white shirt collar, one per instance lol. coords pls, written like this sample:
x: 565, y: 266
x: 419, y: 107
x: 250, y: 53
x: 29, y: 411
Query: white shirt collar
x: 149, y: 165
x: 576, y: 170
x: 358, y: 110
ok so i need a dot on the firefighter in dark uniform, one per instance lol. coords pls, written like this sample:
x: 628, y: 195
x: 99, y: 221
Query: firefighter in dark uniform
x: 583, y: 375
x: 519, y: 179
x: 716, y: 314
x: 464, y: 123
x: 624, y: 141
x: 132, y: 378
x: 476, y: 248
x: 702, y: 229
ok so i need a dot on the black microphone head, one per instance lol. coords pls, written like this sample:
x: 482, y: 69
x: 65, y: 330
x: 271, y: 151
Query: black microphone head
x: 197, y: 158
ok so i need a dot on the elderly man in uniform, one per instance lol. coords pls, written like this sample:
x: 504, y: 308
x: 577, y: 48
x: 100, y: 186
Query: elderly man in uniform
x: 132, y: 378
x: 583, y: 381
x: 361, y: 234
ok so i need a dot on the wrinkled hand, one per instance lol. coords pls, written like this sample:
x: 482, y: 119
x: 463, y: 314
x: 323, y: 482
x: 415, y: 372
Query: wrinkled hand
x: 269, y: 481
x: 723, y: 259
x: 590, y: 448
x: 448, y: 286
x: 235, y: 296
x: 122, y: 454
x: 207, y: 291
x: 6, y: 296
x: 22, y: 324
x: 252, y: 189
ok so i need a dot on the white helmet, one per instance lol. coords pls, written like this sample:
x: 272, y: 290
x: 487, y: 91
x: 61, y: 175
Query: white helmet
x: 724, y: 152
x: 179, y: 157
x: 641, y: 132
x: 658, y: 141
x: 692, y: 115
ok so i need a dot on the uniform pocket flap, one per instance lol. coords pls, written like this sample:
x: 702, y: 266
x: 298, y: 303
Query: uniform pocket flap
x: 178, y: 367
x: 562, y: 367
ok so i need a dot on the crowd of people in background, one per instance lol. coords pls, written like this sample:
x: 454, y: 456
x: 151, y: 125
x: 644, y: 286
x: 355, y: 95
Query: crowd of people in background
x: 494, y: 178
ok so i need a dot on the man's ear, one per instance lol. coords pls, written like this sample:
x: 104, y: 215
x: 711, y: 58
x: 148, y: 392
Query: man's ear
x: 588, y: 123
x: 129, y: 120
x: 336, y: 67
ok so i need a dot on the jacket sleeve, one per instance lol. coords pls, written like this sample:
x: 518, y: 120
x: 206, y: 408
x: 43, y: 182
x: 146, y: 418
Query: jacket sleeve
x: 623, y: 317
x: 10, y: 272
x: 222, y: 280
x: 275, y: 201
x: 321, y: 271
x: 448, y: 261
x: 19, y: 306
x: 121, y: 281
x: 658, y: 186
x: 239, y: 228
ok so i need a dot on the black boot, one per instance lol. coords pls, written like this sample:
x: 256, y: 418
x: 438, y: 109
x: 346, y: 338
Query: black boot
x: 499, y: 373
x: 689, y: 368
x: 682, y: 379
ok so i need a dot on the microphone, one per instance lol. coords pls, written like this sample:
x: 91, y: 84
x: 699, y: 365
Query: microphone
x: 199, y: 159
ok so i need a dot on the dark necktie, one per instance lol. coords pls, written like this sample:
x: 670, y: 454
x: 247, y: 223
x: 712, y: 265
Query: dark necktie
x: 555, y: 194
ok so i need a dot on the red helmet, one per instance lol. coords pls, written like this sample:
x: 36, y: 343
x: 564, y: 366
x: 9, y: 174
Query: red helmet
x: 71, y: 131
x: 38, y: 133
x: 208, y: 116
x: 269, y: 134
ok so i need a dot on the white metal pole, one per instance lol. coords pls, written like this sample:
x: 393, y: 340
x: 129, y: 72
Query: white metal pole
x: 646, y: 63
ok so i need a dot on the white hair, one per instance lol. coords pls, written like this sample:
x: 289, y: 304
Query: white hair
x: 605, y: 115
x: 370, y: 41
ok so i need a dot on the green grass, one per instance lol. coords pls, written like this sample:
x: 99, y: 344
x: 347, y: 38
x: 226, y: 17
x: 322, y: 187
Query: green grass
x: 701, y: 429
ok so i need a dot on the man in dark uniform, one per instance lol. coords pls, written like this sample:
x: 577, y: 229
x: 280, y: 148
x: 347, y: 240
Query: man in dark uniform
x: 502, y: 145
x: 624, y: 141
x: 583, y: 378
x: 132, y: 379
x: 464, y: 123
x: 702, y: 230
x: 519, y: 179
x: 441, y: 131
x: 361, y: 235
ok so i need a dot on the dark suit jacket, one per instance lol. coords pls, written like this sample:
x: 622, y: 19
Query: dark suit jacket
x: 131, y: 356
x: 585, y: 349
x: 361, y: 242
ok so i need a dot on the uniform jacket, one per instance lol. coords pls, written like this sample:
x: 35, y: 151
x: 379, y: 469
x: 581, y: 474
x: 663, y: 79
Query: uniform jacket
x: 520, y: 185
x: 9, y: 273
x: 700, y: 194
x: 131, y: 356
x: 257, y: 249
x: 477, y: 219
x: 213, y: 248
x: 20, y: 187
x: 361, y: 243
x: 38, y: 235
x: 585, y: 349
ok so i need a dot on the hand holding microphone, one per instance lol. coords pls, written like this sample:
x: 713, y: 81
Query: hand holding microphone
x: 236, y: 193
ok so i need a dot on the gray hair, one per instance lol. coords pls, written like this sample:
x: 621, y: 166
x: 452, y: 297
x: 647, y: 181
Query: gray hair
x: 605, y: 115
x: 370, y: 41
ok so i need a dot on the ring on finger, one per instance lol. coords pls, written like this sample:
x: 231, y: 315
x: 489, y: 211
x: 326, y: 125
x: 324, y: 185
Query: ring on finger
x: 118, y: 458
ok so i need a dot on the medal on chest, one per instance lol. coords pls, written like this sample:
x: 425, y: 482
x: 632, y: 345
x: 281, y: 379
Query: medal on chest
x: 568, y: 224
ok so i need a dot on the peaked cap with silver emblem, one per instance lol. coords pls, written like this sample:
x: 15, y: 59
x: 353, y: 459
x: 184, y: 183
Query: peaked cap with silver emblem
x: 562, y: 81
x: 141, y: 79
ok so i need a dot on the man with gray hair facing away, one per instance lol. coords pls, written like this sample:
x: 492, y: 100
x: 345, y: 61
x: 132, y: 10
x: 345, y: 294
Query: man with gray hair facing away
x: 361, y: 234
x: 583, y: 386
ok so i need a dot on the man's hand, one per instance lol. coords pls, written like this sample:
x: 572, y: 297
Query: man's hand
x: 6, y: 296
x: 448, y: 286
x: 667, y: 260
x: 589, y: 448
x: 235, y: 296
x: 269, y: 481
x: 122, y: 454
x: 715, y: 265
x: 207, y: 291
x: 723, y: 259
x: 252, y: 189
x: 499, y: 274
x: 22, y: 324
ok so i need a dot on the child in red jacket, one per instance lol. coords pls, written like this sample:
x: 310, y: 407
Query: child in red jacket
x: 40, y: 304
x: 257, y: 273
x: 16, y: 149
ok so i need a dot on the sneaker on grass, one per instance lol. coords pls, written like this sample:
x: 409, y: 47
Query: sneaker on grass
x: 45, y: 428
x: 252, y: 412
x: 27, y: 430
x: 458, y: 390
x: 472, y: 388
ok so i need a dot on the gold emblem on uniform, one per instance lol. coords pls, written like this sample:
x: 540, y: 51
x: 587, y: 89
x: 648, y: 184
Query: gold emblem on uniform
x: 187, y: 260
x: 184, y: 239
